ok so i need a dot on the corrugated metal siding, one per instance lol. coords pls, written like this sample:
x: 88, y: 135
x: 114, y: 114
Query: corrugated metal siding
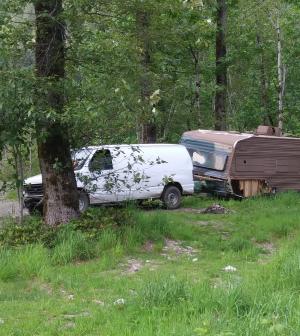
x: 276, y: 160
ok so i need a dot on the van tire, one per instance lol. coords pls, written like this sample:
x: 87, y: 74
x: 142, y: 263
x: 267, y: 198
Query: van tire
x: 171, y: 197
x: 84, y: 201
x: 35, y: 210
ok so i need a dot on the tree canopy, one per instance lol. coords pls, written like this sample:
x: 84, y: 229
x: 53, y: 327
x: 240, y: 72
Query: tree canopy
x: 153, y: 66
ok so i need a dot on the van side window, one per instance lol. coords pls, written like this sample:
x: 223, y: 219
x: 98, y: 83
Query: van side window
x: 101, y: 160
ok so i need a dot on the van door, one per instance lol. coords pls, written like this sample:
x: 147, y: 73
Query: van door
x: 127, y: 173
x: 100, y: 177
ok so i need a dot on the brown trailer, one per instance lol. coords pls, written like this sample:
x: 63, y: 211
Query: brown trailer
x: 244, y: 164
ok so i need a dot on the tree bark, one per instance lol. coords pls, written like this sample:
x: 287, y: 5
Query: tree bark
x: 146, y: 125
x: 19, y: 169
x: 281, y: 75
x: 60, y: 190
x: 221, y: 67
x: 267, y: 117
x: 196, y: 97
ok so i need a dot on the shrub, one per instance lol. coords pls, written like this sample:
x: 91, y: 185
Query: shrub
x: 95, y: 220
x: 92, y: 223
x: 31, y: 231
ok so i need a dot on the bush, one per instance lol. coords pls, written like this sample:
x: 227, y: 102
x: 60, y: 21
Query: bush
x: 92, y: 223
x: 31, y: 231
x: 98, y: 230
x: 95, y: 220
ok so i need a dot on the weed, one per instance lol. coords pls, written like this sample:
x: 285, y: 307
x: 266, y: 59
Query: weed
x: 72, y: 246
x: 24, y: 263
x: 239, y: 243
x: 167, y: 291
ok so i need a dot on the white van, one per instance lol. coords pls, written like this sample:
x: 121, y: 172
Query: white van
x: 116, y: 173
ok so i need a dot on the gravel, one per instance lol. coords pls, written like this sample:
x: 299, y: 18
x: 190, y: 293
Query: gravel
x: 9, y: 208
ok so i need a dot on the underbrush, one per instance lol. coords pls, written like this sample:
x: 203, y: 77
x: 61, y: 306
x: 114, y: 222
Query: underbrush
x: 92, y: 223
x: 108, y: 233
x: 100, y: 232
x: 170, y: 293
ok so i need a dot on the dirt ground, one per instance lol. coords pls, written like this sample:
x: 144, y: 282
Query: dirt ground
x: 9, y: 208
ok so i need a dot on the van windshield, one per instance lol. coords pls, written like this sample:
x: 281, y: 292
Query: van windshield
x: 79, y: 157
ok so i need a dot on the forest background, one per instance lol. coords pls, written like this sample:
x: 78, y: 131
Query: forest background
x: 142, y: 71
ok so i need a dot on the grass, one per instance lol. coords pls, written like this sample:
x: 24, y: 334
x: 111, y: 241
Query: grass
x: 75, y: 288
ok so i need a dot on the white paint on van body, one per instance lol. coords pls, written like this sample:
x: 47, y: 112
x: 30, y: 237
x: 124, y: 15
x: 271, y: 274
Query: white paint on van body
x: 174, y: 164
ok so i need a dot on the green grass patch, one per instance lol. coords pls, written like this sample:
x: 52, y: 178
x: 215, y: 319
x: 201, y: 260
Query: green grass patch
x: 77, y: 280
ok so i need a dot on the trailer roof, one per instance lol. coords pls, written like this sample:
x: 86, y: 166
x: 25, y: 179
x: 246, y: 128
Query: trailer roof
x: 225, y: 138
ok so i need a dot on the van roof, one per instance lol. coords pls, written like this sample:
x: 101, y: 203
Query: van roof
x: 136, y: 145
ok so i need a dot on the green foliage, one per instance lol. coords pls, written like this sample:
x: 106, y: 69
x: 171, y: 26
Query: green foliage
x: 92, y: 224
x: 95, y: 220
x: 31, y: 231
x: 103, y: 68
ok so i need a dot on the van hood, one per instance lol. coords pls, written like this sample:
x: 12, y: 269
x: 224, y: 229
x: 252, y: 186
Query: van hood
x: 37, y: 179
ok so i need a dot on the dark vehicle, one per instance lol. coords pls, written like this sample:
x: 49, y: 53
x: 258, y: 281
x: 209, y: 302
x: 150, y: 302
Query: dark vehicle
x: 242, y: 164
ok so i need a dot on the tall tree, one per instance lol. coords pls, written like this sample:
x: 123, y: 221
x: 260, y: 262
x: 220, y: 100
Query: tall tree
x: 281, y: 74
x: 221, y: 67
x: 146, y: 124
x: 266, y: 117
x: 60, y: 191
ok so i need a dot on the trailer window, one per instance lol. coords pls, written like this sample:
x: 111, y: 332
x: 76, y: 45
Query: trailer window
x: 210, y: 160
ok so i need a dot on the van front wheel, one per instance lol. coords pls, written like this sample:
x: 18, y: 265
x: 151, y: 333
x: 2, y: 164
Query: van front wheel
x: 171, y: 197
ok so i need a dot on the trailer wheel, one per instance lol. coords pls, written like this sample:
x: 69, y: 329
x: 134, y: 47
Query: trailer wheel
x: 84, y: 201
x: 171, y: 197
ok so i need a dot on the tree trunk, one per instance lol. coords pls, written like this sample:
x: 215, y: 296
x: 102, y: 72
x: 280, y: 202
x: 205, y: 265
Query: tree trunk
x: 60, y: 190
x: 267, y: 118
x: 19, y: 169
x: 146, y: 124
x: 196, y: 97
x: 281, y: 76
x: 221, y: 67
